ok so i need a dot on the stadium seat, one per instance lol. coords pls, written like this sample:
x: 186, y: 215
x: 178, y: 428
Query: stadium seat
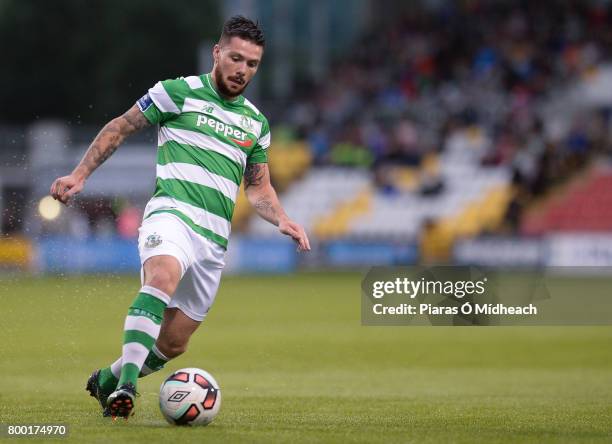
x: 583, y: 205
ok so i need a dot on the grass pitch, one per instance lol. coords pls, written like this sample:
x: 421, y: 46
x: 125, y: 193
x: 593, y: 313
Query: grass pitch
x: 295, y: 365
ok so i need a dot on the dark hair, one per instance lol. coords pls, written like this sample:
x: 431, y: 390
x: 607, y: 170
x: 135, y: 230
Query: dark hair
x: 239, y: 26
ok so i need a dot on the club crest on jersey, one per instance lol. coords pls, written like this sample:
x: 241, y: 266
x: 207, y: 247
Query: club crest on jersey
x: 208, y: 109
x: 153, y: 240
x: 246, y: 123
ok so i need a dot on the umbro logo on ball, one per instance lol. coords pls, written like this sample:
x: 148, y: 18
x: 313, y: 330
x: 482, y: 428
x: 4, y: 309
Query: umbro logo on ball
x: 178, y: 396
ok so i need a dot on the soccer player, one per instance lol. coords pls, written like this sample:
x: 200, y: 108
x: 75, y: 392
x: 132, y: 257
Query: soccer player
x: 209, y: 137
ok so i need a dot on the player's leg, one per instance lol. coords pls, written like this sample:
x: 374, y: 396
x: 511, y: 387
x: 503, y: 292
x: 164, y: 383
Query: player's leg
x: 176, y: 329
x: 161, y: 235
x: 166, y: 252
x: 193, y: 299
x: 108, y: 377
x: 142, y: 326
x: 103, y: 382
x: 162, y: 238
x: 189, y: 305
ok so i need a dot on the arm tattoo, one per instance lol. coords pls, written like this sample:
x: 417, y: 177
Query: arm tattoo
x: 262, y: 196
x: 103, y: 146
x: 266, y: 209
x: 135, y: 119
x: 264, y: 205
x: 110, y: 137
x: 253, y: 174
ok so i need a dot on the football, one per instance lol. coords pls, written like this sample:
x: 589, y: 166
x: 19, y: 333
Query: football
x: 190, y: 396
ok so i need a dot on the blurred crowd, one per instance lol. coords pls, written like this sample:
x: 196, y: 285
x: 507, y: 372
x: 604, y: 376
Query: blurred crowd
x: 471, y: 75
x: 464, y: 74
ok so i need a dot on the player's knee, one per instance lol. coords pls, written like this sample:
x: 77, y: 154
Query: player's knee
x: 163, y: 273
x: 172, y: 347
x: 162, y: 280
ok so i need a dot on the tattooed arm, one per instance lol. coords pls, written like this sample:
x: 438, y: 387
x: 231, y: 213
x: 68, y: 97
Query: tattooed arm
x: 103, y: 146
x: 262, y: 196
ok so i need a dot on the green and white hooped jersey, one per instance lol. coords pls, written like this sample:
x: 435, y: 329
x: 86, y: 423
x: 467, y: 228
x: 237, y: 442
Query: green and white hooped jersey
x: 204, y: 146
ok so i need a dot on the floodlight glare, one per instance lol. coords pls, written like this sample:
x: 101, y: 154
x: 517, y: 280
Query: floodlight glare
x: 49, y: 208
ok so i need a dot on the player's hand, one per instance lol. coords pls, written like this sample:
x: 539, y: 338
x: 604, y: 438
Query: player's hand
x: 65, y: 187
x: 296, y: 232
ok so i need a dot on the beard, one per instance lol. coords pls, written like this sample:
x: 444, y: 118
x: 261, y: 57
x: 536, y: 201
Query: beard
x: 223, y: 87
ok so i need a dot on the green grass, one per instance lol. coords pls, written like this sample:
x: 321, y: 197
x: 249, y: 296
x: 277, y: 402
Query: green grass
x: 295, y: 365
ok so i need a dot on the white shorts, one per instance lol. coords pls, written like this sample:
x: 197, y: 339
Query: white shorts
x: 201, y: 261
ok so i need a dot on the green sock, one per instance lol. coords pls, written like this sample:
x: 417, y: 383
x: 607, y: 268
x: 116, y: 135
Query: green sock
x: 155, y: 362
x: 108, y: 381
x: 140, y: 332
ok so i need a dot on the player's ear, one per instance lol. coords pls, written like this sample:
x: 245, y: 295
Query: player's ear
x: 216, y: 51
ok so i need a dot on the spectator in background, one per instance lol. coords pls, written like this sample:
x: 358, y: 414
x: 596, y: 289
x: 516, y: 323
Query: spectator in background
x: 462, y: 71
x: 128, y: 221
